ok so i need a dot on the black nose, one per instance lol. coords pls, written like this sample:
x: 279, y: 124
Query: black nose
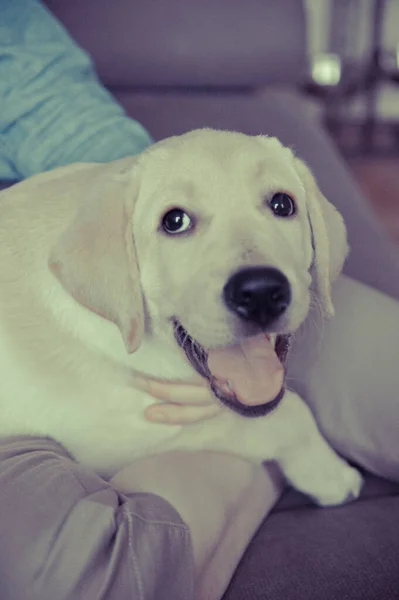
x: 258, y: 294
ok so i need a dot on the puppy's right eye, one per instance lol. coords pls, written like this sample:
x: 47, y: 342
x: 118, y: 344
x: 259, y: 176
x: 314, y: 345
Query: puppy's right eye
x: 176, y: 221
x: 282, y: 205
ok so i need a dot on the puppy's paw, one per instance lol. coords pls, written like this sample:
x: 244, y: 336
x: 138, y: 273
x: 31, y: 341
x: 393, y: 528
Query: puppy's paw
x: 341, y: 485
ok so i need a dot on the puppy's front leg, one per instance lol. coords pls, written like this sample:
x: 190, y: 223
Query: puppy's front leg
x: 309, y: 463
x: 288, y: 435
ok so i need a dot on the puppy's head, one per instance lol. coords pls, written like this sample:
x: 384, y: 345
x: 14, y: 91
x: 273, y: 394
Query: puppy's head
x: 230, y: 230
x: 219, y: 232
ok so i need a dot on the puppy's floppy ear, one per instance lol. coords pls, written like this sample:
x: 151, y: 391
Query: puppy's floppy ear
x: 95, y: 258
x: 329, y: 236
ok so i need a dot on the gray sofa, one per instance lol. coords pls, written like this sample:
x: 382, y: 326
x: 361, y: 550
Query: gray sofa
x: 231, y: 64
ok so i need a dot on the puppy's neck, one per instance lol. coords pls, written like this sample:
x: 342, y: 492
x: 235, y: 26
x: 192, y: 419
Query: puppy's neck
x: 158, y: 355
x: 162, y: 358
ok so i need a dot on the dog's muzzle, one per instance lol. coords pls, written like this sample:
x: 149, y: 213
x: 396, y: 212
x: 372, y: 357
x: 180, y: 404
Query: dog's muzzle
x: 198, y: 357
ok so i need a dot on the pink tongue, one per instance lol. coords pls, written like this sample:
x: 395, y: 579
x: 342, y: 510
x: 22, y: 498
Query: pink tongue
x: 250, y: 369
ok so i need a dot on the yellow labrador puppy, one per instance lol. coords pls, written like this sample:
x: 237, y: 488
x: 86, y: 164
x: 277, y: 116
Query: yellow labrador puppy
x: 203, y: 243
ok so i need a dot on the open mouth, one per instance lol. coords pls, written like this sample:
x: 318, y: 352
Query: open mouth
x: 198, y: 357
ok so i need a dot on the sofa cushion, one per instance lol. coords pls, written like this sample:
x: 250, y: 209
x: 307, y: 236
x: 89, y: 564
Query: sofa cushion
x: 347, y: 370
x: 345, y: 553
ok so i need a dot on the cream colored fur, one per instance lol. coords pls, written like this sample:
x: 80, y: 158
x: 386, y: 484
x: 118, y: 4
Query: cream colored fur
x: 89, y: 284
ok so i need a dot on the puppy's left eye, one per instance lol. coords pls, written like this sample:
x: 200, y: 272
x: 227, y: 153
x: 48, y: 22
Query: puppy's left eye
x: 282, y: 205
x: 176, y: 221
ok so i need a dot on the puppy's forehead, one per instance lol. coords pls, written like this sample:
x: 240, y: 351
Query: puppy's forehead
x: 200, y: 154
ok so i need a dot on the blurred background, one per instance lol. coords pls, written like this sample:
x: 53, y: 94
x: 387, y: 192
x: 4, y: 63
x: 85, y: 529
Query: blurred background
x: 354, y: 75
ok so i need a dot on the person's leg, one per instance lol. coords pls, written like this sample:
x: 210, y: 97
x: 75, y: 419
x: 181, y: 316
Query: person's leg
x: 67, y: 534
